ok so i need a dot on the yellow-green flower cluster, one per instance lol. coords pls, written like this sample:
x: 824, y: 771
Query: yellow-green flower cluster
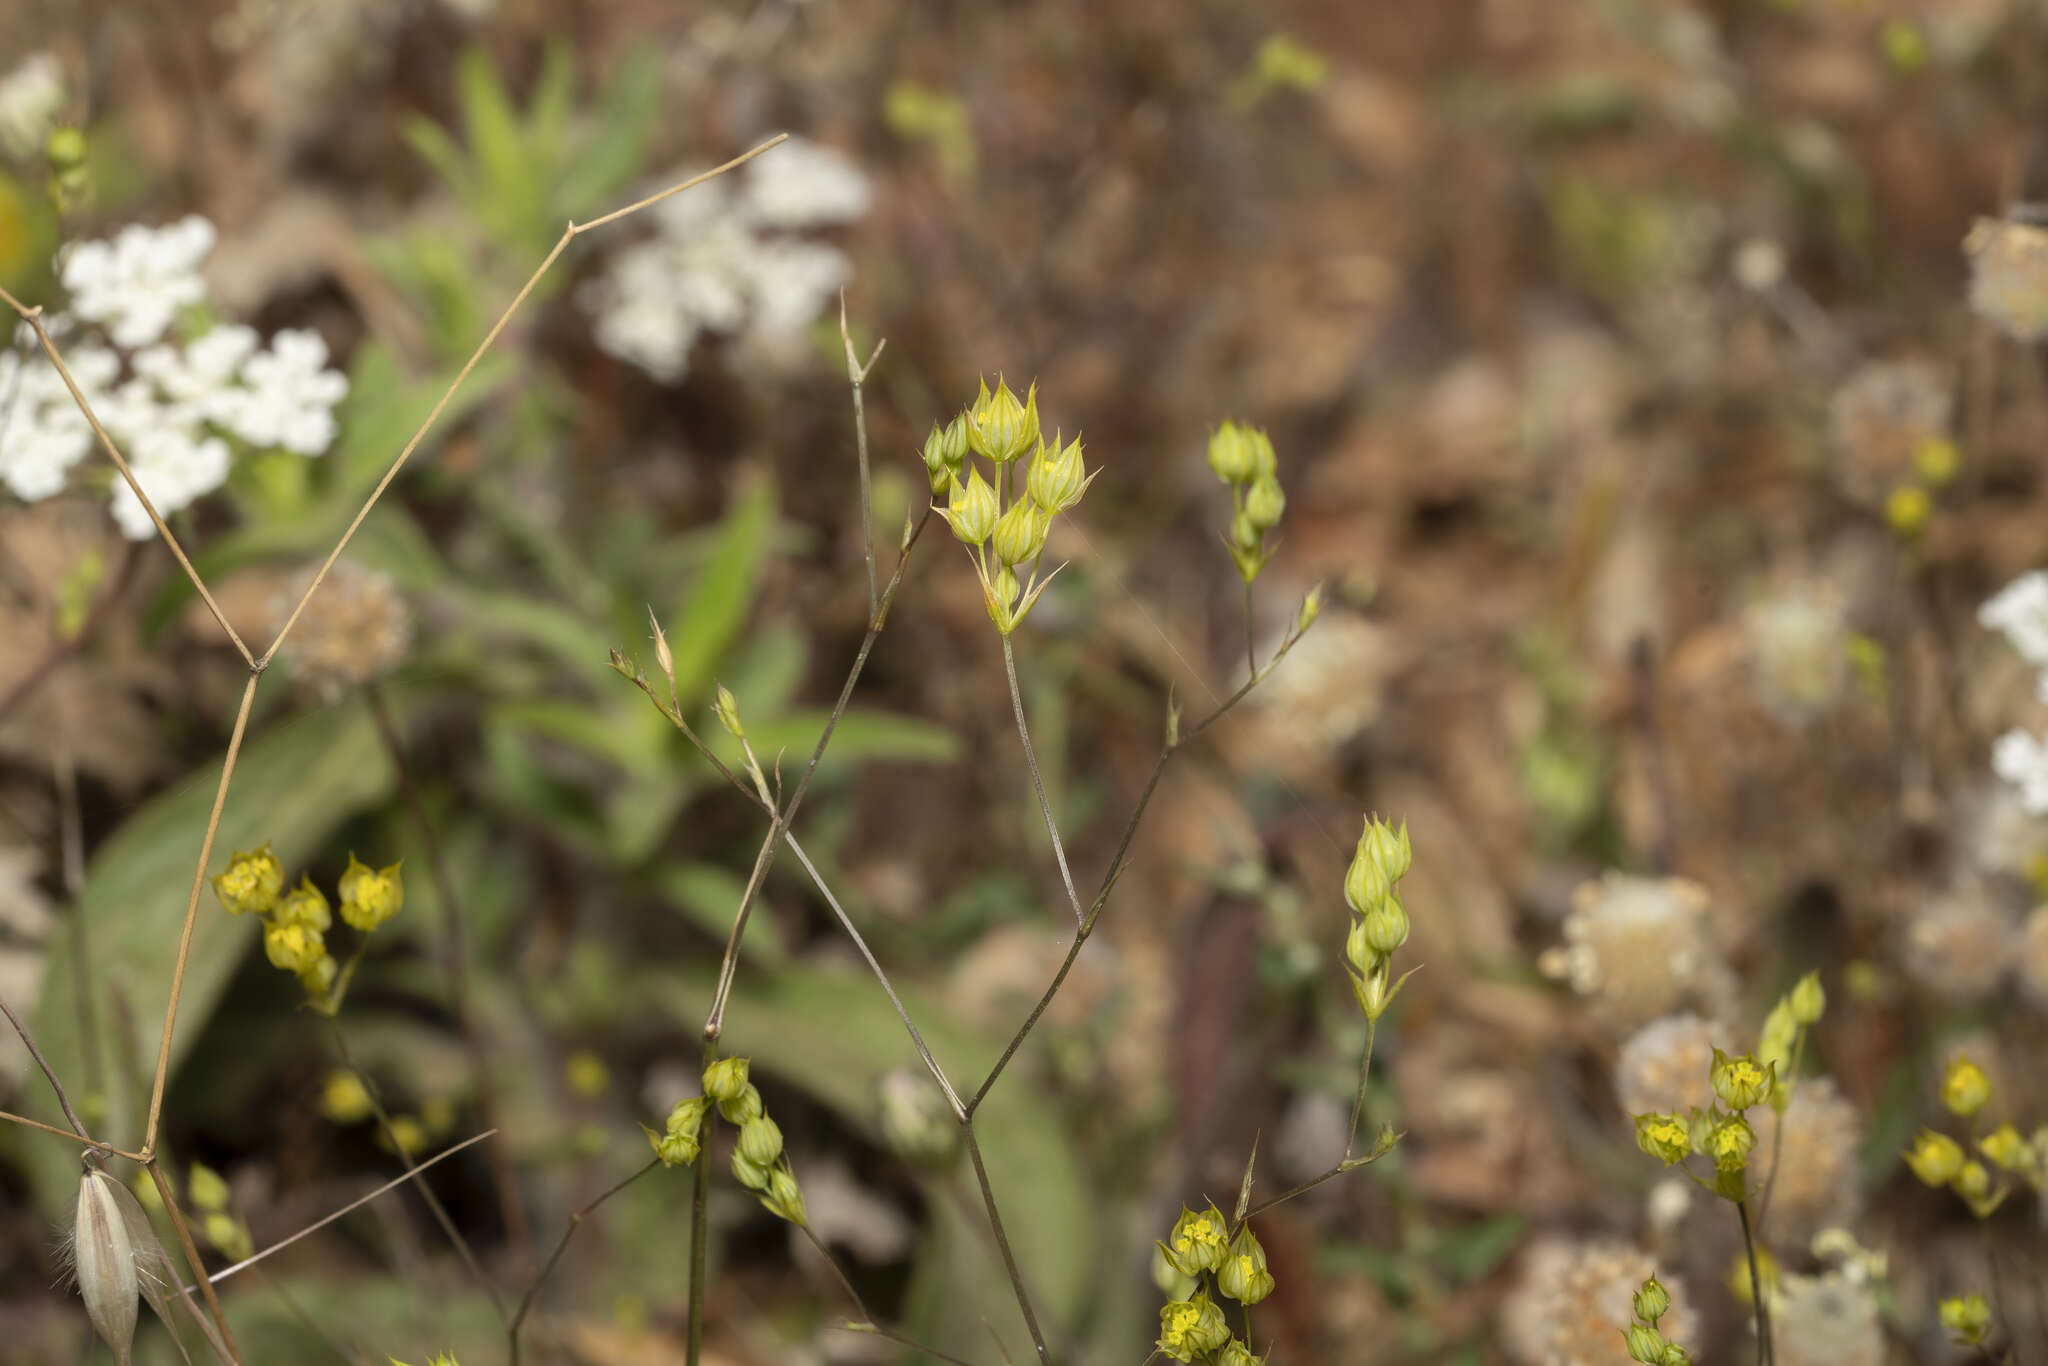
x: 758, y: 1159
x: 1242, y: 457
x: 227, y: 1231
x: 1379, y: 923
x: 1004, y: 521
x: 1644, y: 1342
x: 1200, y: 1256
x: 1967, y: 1318
x: 1720, y: 1133
x: 296, y: 922
x: 1939, y: 1160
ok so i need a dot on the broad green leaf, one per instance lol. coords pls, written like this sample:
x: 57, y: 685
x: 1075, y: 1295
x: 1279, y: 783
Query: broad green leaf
x: 581, y: 647
x: 720, y: 594
x: 709, y: 897
x: 295, y: 782
x: 609, y: 158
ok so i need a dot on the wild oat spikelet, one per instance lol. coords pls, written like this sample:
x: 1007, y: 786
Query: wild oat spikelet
x: 1574, y: 1298
x: 116, y: 1256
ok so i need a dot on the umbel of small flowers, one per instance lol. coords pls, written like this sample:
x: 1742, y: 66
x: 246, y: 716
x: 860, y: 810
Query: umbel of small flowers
x: 1242, y: 457
x: 758, y: 1160
x: 296, y: 922
x: 182, y: 393
x: 1198, y: 1261
x: 1939, y: 1160
x: 1004, y: 521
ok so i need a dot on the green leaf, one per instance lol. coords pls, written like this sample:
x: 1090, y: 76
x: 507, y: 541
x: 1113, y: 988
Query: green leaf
x: 611, y: 156
x: 295, y: 782
x: 722, y: 591
x: 860, y: 736
x: 708, y: 897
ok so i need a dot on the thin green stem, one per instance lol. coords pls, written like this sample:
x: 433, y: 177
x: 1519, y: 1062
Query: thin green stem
x: 856, y: 378
x: 995, y: 1223
x: 1358, y: 1102
x: 1758, y: 1295
x: 700, y: 1233
x: 1763, y: 1206
x: 1052, y: 829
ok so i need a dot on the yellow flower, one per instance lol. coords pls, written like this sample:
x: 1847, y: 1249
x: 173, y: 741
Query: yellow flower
x: 205, y: 1188
x: 303, y: 906
x: 1935, y: 1158
x: 1966, y: 1316
x: 1001, y: 428
x: 343, y: 1099
x: 1664, y: 1137
x: 250, y: 882
x: 1741, y: 1081
x: 1243, y: 1275
x: 1191, y: 1328
x: 292, y: 947
x: 1197, y: 1241
x: 1729, y: 1143
x: 2005, y: 1147
x: 1965, y: 1089
x: 369, y: 898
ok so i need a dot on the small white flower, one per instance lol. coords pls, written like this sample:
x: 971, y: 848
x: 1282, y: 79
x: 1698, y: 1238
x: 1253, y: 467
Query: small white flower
x: 31, y: 98
x: 804, y: 184
x: 290, y: 398
x: 174, y: 470
x: 2019, y: 611
x: 42, y: 432
x: 2022, y: 760
x: 792, y: 282
x: 135, y: 284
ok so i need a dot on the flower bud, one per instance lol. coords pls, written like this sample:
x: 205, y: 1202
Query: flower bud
x: 292, y: 947
x: 250, y: 882
x: 1311, y: 608
x: 205, y: 1188
x: 1244, y: 532
x: 1230, y: 454
x: 1965, y: 1089
x: 679, y: 1144
x: 305, y: 906
x: 1264, y: 465
x: 1197, y: 1241
x: 229, y: 1235
x: 1243, y: 1275
x: 1173, y: 1283
x: 971, y: 508
x: 761, y: 1140
x: 783, y: 1198
x: 1664, y: 1137
x: 1264, y: 503
x: 1808, y: 1000
x: 1645, y: 1344
x: 1386, y: 926
x: 1001, y: 428
x: 1652, y: 1301
x: 1057, y: 478
x: 749, y: 1173
x: 1935, y: 1158
x: 1357, y: 951
x: 1780, y: 1035
x: 318, y: 978
x: 1381, y: 860
x: 1020, y: 532
x: 1740, y: 1081
x: 954, y: 444
x: 1973, y: 1182
x: 937, y: 469
x: 369, y: 898
x: 726, y: 1079
x: 1235, y: 1353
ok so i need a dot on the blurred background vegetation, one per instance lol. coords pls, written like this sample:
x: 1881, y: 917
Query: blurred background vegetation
x: 1620, y: 362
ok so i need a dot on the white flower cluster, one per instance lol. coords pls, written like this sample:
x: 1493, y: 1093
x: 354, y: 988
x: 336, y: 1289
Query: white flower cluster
x: 181, y: 398
x: 31, y: 98
x: 2019, y: 612
x: 725, y: 260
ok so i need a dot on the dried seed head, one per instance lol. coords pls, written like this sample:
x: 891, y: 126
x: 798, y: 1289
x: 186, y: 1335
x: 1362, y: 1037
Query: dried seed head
x: 104, y: 1260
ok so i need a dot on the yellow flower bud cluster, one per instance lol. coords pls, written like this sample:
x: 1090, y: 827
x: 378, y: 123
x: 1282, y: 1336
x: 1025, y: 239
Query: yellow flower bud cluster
x: 1379, y: 923
x: 1642, y: 1338
x: 1204, y: 1257
x: 758, y: 1159
x: 227, y: 1231
x: 1938, y: 1160
x: 296, y: 922
x: 1004, y: 521
x: 1242, y: 457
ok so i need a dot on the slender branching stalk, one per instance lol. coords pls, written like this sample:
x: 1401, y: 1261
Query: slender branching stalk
x: 562, y: 1245
x: 1052, y: 829
x: 856, y: 378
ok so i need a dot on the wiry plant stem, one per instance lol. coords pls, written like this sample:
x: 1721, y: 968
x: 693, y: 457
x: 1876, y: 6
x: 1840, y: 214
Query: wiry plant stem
x: 562, y: 1245
x: 995, y: 1223
x: 1052, y: 829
